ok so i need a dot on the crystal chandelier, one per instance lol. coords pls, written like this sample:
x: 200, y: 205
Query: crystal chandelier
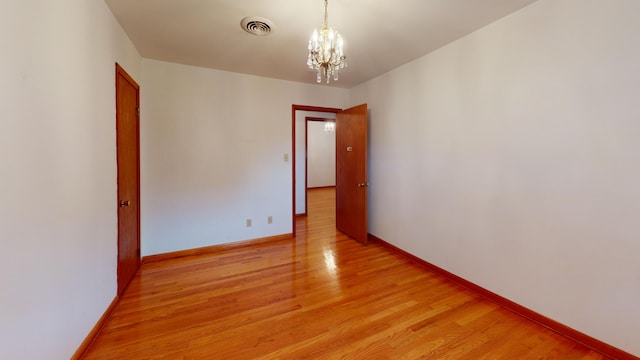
x: 325, y: 51
x: 329, y: 126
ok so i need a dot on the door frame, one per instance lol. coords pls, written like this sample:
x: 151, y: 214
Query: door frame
x: 121, y: 72
x: 295, y: 108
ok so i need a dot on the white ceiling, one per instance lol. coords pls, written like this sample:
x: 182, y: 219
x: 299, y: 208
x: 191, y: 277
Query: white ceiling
x: 379, y: 35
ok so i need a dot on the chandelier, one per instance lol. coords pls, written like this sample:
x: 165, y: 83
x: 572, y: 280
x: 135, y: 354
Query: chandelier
x: 329, y: 126
x: 325, y: 51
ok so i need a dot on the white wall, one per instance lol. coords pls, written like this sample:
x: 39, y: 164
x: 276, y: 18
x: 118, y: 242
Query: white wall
x: 510, y: 158
x: 212, y: 148
x: 321, y: 157
x: 58, y: 213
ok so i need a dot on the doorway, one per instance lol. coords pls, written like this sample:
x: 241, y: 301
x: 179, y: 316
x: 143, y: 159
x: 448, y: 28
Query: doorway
x: 298, y: 120
x: 128, y: 164
x: 319, y: 156
x: 351, y: 168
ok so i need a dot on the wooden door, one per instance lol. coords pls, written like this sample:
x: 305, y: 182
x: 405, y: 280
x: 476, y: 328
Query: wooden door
x: 128, y: 156
x: 351, y: 172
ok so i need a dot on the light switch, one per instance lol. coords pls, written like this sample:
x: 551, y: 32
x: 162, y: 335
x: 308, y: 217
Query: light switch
x: 286, y: 157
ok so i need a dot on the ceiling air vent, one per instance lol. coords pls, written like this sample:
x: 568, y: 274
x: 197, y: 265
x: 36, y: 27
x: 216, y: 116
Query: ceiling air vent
x: 256, y: 25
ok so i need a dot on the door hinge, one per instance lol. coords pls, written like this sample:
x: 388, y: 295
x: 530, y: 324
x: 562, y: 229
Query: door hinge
x: 138, y: 111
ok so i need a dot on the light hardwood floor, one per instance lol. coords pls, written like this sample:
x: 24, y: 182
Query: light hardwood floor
x: 321, y: 295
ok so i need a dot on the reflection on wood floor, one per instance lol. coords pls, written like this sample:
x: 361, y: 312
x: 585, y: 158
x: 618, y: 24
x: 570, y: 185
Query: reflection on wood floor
x: 320, y: 295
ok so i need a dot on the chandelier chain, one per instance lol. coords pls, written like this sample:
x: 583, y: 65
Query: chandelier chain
x: 326, y: 14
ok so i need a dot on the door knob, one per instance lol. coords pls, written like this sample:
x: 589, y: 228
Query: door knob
x: 124, y: 203
x: 363, y: 185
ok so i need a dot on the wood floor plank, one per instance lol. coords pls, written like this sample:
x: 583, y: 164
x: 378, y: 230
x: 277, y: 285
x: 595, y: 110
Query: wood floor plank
x: 320, y: 295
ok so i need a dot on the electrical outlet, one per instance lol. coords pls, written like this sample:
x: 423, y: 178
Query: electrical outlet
x: 248, y: 222
x: 270, y: 219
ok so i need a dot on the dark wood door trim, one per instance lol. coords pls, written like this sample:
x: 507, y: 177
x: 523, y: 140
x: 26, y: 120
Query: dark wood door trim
x: 295, y: 108
x: 122, y: 74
